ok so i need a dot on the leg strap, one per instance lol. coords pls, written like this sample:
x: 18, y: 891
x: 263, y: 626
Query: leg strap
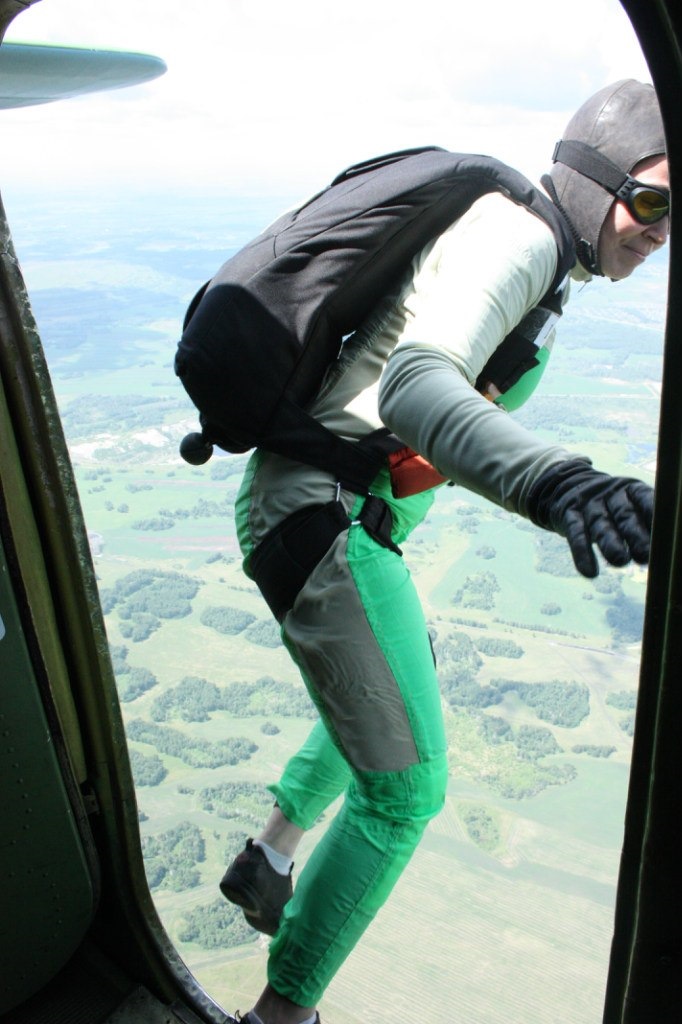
x: 377, y: 519
x: 287, y: 555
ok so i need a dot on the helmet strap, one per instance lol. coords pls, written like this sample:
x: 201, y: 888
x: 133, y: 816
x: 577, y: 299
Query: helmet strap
x: 584, y: 249
x: 587, y: 160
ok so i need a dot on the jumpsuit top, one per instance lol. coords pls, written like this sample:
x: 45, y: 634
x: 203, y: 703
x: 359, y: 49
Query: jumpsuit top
x: 413, y: 364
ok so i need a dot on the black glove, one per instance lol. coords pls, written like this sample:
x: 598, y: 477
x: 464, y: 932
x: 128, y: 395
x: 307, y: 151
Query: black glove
x: 587, y: 507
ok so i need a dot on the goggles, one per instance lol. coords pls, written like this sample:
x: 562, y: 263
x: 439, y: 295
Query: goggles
x: 647, y: 203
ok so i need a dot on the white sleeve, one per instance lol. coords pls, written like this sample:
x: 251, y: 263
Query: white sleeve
x: 478, y: 281
x: 470, y: 290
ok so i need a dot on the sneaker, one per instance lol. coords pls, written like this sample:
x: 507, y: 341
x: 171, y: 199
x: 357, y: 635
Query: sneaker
x: 253, y: 884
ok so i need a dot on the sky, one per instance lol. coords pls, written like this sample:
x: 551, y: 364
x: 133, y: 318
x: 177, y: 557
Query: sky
x: 268, y: 97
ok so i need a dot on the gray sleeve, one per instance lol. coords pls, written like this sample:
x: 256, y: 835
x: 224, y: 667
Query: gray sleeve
x: 432, y: 408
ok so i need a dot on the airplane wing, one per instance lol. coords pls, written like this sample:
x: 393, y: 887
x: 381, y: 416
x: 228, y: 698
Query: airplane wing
x: 33, y: 73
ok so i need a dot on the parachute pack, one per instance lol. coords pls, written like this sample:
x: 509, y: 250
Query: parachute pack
x: 259, y: 337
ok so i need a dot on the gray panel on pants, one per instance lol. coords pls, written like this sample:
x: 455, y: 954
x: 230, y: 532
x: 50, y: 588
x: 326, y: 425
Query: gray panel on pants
x: 331, y: 640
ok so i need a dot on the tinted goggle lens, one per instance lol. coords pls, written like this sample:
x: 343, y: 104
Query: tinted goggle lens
x: 648, y: 205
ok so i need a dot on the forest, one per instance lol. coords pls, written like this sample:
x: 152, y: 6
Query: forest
x: 196, y: 753
x: 195, y: 698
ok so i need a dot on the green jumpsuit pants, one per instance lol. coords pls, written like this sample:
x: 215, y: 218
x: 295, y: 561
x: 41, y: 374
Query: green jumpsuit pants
x: 358, y: 635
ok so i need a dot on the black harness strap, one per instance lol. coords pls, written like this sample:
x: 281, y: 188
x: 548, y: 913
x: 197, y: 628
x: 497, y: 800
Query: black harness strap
x: 285, y: 558
x: 377, y: 520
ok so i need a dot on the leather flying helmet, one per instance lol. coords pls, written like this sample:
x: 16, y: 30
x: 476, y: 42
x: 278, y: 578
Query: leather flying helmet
x: 623, y: 123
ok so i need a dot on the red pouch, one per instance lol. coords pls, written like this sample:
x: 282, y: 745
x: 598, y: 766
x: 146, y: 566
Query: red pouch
x: 411, y: 473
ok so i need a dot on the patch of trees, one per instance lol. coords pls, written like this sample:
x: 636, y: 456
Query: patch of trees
x: 592, y: 750
x: 550, y: 608
x: 626, y: 619
x: 532, y: 742
x: 531, y: 779
x: 223, y: 468
x: 481, y: 826
x: 458, y: 663
x: 627, y: 724
x: 236, y: 841
x: 131, y: 682
x: 497, y: 647
x: 139, y: 627
x: 464, y: 692
x: 144, y: 597
x: 555, y: 412
x: 154, y: 523
x: 171, y: 858
x: 224, y: 619
x: 194, y: 698
x: 495, y: 730
x: 194, y: 752
x: 625, y: 615
x: 138, y: 681
x: 166, y: 594
x: 552, y: 555
x: 624, y: 700
x: 456, y: 653
x: 478, y: 591
x: 538, y: 627
x: 535, y: 741
x: 458, y: 620
x: 269, y: 696
x: 217, y: 925
x: 264, y: 633
x: 485, y: 551
x: 469, y: 519
x: 148, y: 769
x: 243, y: 801
x: 219, y: 556
x: 561, y: 703
x: 119, y: 658
x: 608, y: 583
x: 203, y: 509
x: 92, y: 414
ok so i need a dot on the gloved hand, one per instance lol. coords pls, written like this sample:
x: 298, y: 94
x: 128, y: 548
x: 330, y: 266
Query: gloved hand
x: 587, y: 507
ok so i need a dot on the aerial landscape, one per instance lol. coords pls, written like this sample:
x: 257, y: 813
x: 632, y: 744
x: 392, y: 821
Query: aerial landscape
x: 508, y: 901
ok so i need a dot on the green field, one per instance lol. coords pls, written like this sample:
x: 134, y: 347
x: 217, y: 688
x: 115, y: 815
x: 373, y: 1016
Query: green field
x: 505, y: 912
x: 526, y: 923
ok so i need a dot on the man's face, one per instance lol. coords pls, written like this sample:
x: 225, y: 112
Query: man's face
x: 624, y: 243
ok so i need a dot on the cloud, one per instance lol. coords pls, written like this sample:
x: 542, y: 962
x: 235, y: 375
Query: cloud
x: 262, y: 95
